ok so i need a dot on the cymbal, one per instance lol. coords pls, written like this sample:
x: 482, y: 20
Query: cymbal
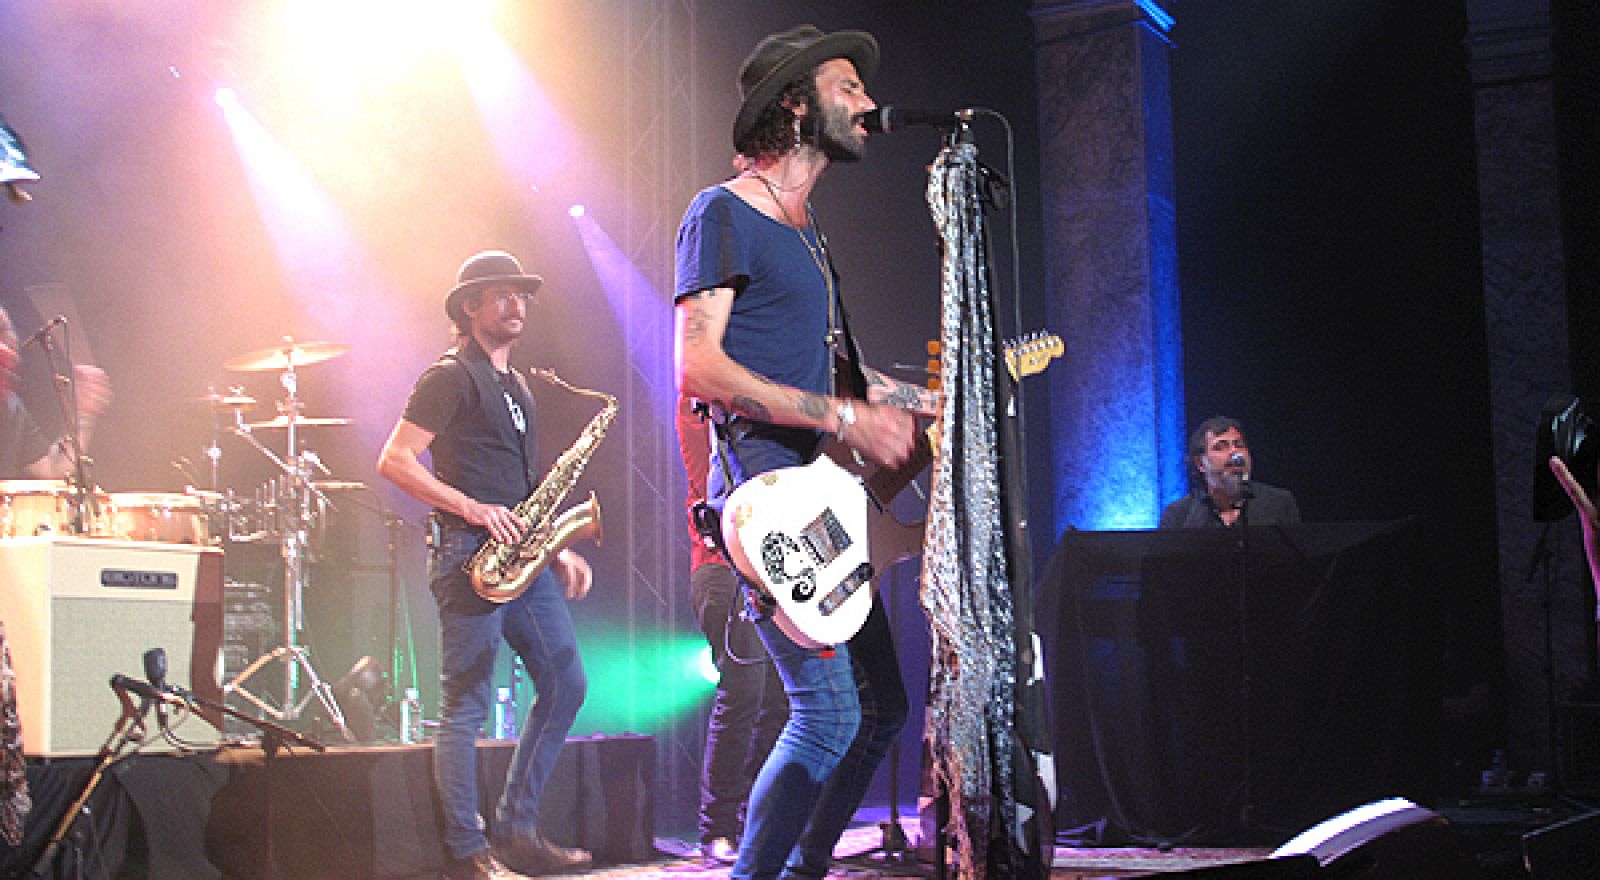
x: 225, y: 401
x: 282, y: 357
x: 301, y: 422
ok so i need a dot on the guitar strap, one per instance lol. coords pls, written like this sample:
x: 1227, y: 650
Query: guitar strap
x: 849, y: 377
x: 708, y: 517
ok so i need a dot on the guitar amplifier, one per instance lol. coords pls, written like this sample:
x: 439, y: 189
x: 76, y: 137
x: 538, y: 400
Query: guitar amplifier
x: 79, y: 610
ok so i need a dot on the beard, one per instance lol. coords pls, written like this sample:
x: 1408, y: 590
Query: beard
x: 833, y: 130
x: 1228, y: 482
x: 502, y: 332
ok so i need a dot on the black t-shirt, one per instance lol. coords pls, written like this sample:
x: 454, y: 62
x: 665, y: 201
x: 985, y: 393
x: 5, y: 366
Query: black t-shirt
x: 474, y: 412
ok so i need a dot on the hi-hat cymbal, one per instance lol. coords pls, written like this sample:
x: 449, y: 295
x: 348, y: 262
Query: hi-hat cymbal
x: 300, y: 422
x: 225, y: 401
x: 282, y: 357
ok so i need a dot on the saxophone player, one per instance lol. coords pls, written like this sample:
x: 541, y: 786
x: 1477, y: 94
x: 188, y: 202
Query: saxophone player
x: 476, y: 417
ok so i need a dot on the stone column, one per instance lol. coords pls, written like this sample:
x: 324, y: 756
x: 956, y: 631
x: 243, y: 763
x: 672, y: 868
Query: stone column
x: 1524, y: 277
x: 1109, y: 236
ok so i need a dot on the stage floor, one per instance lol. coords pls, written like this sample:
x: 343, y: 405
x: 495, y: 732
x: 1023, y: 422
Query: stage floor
x: 370, y: 812
x: 858, y: 858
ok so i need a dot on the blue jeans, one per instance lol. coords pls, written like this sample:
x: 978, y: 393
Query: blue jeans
x: 538, y: 626
x: 845, y: 711
x: 846, y: 708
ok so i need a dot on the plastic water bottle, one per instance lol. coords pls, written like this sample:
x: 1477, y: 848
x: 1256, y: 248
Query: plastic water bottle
x: 411, y: 717
x: 505, y: 714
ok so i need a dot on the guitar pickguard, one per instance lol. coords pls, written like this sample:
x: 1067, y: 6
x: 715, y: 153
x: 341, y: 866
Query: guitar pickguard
x: 776, y: 548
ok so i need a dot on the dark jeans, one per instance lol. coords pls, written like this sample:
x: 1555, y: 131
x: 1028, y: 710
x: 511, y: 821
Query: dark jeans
x: 749, y: 709
x: 538, y: 626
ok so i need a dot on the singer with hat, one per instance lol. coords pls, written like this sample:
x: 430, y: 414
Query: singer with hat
x: 758, y: 328
x: 475, y: 415
x: 1224, y: 490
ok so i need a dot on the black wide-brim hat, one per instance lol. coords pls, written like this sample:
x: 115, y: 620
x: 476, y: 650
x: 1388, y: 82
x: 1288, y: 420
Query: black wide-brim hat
x: 779, y: 58
x: 481, y: 270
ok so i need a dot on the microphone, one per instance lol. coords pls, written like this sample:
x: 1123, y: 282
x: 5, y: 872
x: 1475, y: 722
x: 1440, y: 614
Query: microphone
x: 890, y: 118
x: 42, y: 332
x: 1238, y: 460
x: 155, y: 668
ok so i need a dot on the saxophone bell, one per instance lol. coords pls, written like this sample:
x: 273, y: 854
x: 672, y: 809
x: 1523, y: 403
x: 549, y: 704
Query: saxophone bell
x: 503, y: 574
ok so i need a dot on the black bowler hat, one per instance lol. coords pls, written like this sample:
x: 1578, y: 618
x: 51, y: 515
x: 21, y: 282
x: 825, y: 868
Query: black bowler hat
x: 779, y: 58
x: 481, y: 270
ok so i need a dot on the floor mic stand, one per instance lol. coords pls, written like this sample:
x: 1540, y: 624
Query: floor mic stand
x: 893, y: 844
x: 274, y: 737
x: 1246, y: 816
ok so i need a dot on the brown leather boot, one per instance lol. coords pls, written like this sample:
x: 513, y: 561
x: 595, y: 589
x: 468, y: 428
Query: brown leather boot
x: 480, y: 866
x: 536, y: 854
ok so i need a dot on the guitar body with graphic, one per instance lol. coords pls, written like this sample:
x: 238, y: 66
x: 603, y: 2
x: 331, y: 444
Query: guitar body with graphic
x: 812, y: 537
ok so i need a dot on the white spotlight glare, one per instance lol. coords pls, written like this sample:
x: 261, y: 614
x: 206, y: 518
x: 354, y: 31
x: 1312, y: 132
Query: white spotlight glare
x: 706, y: 666
x: 225, y: 97
x: 576, y: 211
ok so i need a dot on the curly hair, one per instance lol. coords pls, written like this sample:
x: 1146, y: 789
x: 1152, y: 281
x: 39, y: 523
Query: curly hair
x: 774, y: 131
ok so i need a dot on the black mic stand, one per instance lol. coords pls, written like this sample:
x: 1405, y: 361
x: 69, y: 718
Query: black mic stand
x: 1246, y: 816
x: 87, y: 512
x: 274, y: 736
x: 129, y: 728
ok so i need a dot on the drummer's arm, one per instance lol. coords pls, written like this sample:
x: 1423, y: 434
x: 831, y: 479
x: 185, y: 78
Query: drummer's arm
x: 93, y: 391
x: 53, y: 465
x: 400, y: 463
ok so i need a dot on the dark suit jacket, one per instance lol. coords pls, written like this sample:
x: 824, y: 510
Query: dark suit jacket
x: 1270, y: 506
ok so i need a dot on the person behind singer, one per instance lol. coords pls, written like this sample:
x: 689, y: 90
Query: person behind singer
x: 25, y: 452
x: 475, y: 414
x: 756, y: 307
x: 748, y: 709
x: 1222, y: 491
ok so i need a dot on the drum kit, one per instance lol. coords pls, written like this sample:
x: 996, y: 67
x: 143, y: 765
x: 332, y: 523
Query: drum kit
x: 287, y: 509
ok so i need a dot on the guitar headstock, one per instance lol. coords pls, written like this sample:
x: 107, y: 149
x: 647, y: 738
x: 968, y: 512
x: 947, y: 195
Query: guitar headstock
x: 1030, y: 354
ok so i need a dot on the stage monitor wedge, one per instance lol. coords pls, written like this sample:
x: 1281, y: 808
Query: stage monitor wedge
x: 1391, y: 839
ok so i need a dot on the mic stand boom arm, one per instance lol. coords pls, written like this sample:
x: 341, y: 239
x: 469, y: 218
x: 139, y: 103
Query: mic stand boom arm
x: 88, y: 508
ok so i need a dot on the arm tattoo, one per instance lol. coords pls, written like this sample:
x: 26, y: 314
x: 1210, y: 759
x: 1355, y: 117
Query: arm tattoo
x: 694, y: 324
x: 873, y: 376
x: 750, y: 407
x: 813, y: 406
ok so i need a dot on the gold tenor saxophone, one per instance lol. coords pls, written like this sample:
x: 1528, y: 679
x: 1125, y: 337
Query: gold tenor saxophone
x: 502, y: 571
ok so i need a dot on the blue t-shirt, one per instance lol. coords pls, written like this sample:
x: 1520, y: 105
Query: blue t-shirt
x: 779, y: 323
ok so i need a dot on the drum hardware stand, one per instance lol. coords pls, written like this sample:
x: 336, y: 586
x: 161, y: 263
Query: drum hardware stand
x: 296, y: 541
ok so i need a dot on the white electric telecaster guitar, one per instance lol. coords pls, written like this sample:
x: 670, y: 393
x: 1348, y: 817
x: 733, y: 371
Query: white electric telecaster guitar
x: 801, y: 533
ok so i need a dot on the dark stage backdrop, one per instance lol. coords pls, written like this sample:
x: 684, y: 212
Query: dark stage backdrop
x: 1330, y: 271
